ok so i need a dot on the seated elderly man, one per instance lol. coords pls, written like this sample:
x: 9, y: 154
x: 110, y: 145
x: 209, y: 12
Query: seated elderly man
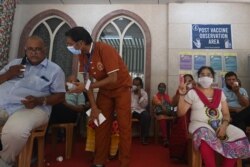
x: 238, y: 101
x: 28, y: 88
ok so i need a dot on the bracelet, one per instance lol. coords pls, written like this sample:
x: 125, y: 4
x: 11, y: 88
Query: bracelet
x: 182, y: 94
x: 225, y: 120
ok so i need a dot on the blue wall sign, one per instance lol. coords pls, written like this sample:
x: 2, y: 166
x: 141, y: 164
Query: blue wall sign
x: 211, y: 36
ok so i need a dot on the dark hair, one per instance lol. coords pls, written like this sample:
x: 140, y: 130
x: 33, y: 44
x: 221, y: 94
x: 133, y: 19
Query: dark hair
x: 188, y: 75
x: 79, y: 34
x: 139, y: 79
x: 206, y: 67
x: 230, y: 73
x: 162, y: 83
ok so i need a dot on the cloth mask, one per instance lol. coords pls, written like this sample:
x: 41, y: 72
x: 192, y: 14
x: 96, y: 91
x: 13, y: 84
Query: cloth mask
x: 161, y: 90
x: 134, y: 87
x: 205, y: 82
x: 73, y: 50
x: 190, y: 86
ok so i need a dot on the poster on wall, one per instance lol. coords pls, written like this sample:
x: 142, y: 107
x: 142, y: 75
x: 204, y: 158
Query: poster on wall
x: 199, y: 61
x: 185, y: 62
x: 230, y: 62
x: 211, y: 36
x: 216, y: 62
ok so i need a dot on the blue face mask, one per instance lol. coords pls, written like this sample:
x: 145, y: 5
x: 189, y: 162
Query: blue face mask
x: 73, y: 50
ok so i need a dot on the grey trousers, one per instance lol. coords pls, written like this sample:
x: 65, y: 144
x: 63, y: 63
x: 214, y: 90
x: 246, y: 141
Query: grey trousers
x: 16, y: 131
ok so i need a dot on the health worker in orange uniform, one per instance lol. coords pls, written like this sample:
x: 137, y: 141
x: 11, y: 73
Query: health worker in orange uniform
x: 103, y: 63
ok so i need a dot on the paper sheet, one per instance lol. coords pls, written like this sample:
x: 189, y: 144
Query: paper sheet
x: 100, y: 117
x: 87, y: 84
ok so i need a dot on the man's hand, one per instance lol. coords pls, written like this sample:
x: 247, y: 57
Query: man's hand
x: 95, y: 114
x: 236, y: 88
x: 79, y: 88
x: 31, y: 102
x: 15, y: 70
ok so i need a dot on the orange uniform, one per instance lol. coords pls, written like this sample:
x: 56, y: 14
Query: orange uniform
x: 112, y: 97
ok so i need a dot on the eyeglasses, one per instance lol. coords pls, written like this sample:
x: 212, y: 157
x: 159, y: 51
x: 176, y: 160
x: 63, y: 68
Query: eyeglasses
x: 35, y: 50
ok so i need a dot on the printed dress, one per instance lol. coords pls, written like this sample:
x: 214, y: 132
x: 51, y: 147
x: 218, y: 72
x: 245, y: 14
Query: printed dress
x: 203, y: 123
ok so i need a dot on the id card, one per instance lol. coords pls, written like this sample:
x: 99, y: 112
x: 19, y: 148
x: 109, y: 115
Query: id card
x: 87, y: 85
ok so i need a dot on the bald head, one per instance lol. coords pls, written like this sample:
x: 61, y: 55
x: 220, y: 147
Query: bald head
x: 36, y: 39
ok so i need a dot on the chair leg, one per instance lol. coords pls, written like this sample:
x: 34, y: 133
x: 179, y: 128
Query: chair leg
x: 24, y: 158
x: 69, y: 141
x: 194, y: 157
x: 40, y: 141
x: 239, y: 163
x: 53, y: 137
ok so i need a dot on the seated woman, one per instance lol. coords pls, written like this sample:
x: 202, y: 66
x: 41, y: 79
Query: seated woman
x: 209, y: 122
x: 162, y: 107
x: 178, y: 148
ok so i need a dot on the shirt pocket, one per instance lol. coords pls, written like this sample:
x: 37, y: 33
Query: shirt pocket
x: 36, y: 83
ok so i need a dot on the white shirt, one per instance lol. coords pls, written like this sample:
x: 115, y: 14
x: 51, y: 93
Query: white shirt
x: 139, y: 105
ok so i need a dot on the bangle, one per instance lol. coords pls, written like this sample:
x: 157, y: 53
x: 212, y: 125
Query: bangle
x: 225, y: 120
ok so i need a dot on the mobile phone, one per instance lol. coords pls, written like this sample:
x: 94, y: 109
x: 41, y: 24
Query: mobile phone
x: 23, y: 62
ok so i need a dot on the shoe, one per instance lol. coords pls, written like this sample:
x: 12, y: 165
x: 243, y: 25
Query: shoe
x: 144, y: 141
x: 165, y: 143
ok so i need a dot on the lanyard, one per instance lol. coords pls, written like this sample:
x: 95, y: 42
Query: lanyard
x: 87, y: 66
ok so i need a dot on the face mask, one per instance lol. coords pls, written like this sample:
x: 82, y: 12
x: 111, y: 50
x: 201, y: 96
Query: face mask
x: 190, y: 86
x: 73, y: 50
x: 161, y: 90
x: 205, y: 82
x: 70, y: 86
x: 134, y: 87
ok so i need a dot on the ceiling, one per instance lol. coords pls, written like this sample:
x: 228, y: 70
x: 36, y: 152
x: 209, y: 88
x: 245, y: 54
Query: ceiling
x: 126, y: 1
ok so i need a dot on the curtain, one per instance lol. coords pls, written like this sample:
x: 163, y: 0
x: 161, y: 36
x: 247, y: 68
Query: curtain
x: 7, y: 11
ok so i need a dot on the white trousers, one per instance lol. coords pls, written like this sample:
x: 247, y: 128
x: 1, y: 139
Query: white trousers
x: 16, y: 131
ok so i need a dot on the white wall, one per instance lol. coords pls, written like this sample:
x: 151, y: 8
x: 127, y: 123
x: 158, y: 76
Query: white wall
x: 88, y: 16
x: 170, y: 28
x: 182, y: 16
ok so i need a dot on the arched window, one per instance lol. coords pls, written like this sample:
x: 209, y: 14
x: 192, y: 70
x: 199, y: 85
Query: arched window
x: 126, y: 36
x: 129, y: 34
x: 51, y: 28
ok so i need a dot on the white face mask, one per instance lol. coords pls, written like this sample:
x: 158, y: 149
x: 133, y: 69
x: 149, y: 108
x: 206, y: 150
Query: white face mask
x: 70, y: 86
x: 73, y: 50
x: 205, y: 82
x: 134, y: 87
x: 190, y: 86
